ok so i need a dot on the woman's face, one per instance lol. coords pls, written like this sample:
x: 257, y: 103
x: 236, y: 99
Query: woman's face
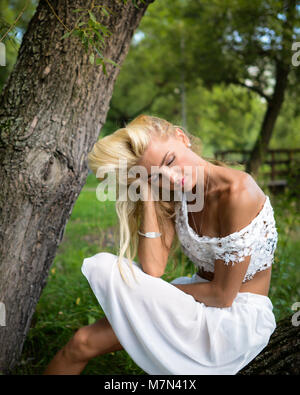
x: 171, y: 156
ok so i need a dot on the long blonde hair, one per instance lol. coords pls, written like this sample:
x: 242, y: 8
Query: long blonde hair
x: 129, y: 143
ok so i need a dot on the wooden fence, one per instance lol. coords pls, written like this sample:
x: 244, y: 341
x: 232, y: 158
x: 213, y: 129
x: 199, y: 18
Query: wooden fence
x: 278, y: 169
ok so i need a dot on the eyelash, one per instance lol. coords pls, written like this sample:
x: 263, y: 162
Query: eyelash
x: 167, y: 164
x: 171, y: 161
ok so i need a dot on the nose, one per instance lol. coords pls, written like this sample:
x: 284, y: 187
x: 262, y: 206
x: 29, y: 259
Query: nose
x: 173, y: 175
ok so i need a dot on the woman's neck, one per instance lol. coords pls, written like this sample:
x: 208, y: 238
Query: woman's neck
x: 215, y: 181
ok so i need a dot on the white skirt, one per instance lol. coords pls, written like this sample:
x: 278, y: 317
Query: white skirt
x: 166, y: 332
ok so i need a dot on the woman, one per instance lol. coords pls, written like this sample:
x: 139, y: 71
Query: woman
x: 218, y: 320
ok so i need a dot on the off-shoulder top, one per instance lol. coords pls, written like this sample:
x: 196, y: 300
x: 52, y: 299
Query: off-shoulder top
x: 258, y: 239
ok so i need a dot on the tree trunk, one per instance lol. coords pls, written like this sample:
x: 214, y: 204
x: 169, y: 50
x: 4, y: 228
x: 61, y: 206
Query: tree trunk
x: 283, y: 66
x: 282, y: 354
x: 265, y: 134
x: 52, y: 109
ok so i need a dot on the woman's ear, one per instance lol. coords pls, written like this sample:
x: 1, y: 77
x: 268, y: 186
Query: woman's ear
x: 181, y: 135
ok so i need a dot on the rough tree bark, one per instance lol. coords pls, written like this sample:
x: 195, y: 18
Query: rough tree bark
x: 51, y: 112
x: 282, y: 354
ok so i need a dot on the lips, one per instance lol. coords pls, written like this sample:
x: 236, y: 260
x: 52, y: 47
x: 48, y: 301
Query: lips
x: 179, y: 182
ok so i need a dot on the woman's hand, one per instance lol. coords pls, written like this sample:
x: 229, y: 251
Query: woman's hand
x: 146, y: 191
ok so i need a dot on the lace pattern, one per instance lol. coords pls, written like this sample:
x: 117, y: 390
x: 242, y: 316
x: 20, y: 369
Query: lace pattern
x: 258, y: 240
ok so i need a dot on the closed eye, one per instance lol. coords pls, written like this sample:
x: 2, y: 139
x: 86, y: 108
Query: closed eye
x: 154, y: 177
x: 171, y: 161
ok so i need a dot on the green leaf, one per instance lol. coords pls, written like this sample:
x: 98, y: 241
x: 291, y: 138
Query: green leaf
x: 111, y: 61
x: 99, y: 35
x: 93, y: 25
x: 79, y: 9
x: 91, y: 41
x: 99, y: 61
x: 92, y: 16
x: 66, y: 35
x: 105, y: 31
x: 86, y: 44
x: 99, y: 53
x: 92, y: 58
x: 78, y: 33
x: 105, y: 11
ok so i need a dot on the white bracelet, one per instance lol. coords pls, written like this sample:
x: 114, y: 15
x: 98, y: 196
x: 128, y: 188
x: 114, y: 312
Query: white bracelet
x: 151, y: 235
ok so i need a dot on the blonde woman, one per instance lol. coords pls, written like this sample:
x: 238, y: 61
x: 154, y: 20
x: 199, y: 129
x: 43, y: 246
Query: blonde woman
x: 218, y: 320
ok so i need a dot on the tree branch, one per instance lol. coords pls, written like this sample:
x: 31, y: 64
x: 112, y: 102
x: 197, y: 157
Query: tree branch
x: 252, y: 88
x: 148, y: 105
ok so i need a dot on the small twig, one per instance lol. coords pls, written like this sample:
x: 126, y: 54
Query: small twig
x: 52, y: 9
x: 18, y: 17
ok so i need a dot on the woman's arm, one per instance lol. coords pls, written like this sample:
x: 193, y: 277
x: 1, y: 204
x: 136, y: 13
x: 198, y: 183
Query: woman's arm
x: 206, y: 293
x: 222, y: 290
x: 152, y: 254
x: 237, y: 212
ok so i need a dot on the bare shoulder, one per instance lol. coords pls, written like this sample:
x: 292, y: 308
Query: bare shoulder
x: 240, y: 204
x: 244, y: 182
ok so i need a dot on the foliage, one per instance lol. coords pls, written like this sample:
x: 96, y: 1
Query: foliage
x: 179, y: 51
x: 181, y: 57
x: 92, y: 34
x: 9, y: 12
x: 241, y: 42
x: 284, y: 289
x: 90, y: 31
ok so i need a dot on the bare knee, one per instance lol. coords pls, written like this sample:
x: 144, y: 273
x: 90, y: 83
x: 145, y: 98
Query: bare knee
x: 92, y: 340
x: 77, y: 349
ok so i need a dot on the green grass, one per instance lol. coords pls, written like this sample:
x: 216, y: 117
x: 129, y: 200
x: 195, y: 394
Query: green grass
x: 67, y: 302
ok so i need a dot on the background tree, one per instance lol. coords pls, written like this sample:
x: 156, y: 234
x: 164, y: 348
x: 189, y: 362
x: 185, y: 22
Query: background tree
x: 247, y: 44
x: 237, y: 72
x: 52, y: 109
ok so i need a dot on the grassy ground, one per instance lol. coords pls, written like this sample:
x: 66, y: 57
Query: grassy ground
x: 67, y: 302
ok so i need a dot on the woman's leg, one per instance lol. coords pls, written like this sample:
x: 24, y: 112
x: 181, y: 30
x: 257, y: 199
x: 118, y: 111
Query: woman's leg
x: 87, y: 342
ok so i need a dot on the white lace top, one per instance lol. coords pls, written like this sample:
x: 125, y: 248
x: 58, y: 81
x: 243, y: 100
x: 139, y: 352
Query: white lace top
x: 258, y: 239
